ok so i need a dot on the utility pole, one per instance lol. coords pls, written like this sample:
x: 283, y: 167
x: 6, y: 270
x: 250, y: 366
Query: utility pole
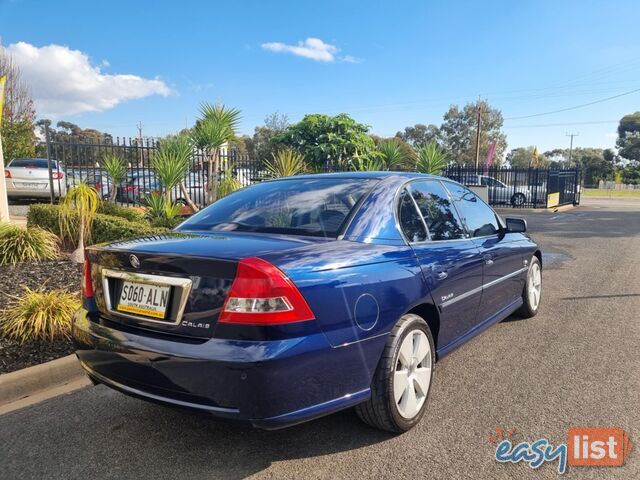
x: 139, y: 149
x: 478, y: 134
x: 571, y: 144
x: 4, y: 202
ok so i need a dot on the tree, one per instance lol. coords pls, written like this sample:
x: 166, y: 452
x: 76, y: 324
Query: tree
x: 420, y: 135
x: 459, y: 132
x: 261, y: 146
x: 116, y: 170
x: 18, y: 114
x: 522, y: 157
x: 80, y: 204
x: 628, y: 142
x: 593, y: 165
x: 326, y: 141
x: 216, y: 126
x: 171, y: 163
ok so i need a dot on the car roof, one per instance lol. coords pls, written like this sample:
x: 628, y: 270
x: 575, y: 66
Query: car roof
x: 355, y: 174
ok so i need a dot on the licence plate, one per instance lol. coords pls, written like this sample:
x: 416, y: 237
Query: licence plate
x: 144, y: 299
x: 32, y: 186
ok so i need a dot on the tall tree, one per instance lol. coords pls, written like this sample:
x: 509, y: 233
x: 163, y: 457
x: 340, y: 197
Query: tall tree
x: 18, y: 114
x: 522, y: 157
x: 261, y: 146
x: 459, y: 132
x: 325, y: 140
x: 216, y: 126
x: 628, y: 142
x: 420, y: 135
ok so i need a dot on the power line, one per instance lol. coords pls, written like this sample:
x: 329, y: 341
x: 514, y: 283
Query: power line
x: 576, y: 106
x: 564, y: 124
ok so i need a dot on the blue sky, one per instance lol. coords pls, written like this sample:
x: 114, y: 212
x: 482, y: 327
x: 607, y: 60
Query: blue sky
x: 390, y: 64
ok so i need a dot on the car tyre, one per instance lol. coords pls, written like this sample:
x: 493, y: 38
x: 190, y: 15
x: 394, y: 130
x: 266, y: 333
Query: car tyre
x: 402, y: 381
x: 518, y: 199
x: 532, y: 291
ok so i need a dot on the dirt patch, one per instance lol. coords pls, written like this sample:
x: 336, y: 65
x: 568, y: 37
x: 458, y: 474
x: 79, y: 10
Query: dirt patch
x: 51, y: 274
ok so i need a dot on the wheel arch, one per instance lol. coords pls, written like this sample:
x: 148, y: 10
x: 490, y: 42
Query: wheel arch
x: 538, y: 254
x: 429, y: 312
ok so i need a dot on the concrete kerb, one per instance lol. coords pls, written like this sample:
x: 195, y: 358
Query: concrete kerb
x: 33, y: 381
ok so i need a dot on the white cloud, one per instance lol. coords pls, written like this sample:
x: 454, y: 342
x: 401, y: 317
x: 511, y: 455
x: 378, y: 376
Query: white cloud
x: 312, y: 48
x: 64, y: 82
x: 351, y: 59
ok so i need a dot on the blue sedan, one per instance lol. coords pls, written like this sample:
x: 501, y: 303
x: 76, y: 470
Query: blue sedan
x: 295, y: 298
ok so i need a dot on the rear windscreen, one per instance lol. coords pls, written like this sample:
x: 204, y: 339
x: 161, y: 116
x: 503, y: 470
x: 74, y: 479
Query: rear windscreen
x: 306, y: 206
x: 32, y: 163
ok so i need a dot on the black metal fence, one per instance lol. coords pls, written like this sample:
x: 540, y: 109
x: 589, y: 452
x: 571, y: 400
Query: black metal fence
x: 521, y: 187
x: 81, y: 161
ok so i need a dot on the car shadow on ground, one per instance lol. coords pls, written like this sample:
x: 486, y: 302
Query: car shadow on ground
x: 108, y: 430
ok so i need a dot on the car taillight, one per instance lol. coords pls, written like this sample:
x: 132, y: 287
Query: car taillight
x: 7, y: 174
x: 130, y: 188
x: 262, y: 295
x: 87, y: 285
x: 57, y: 175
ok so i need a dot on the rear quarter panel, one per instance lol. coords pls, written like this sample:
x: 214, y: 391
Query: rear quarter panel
x: 357, y: 291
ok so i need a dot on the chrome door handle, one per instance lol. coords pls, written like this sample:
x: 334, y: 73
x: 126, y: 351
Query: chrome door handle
x: 442, y: 275
x: 488, y: 261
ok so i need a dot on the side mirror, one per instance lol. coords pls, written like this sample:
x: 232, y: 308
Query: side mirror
x: 516, y: 225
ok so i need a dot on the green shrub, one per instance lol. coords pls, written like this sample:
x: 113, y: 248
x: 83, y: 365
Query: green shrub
x: 39, y: 315
x: 106, y: 228
x: 132, y: 214
x: 19, y: 244
x: 45, y: 216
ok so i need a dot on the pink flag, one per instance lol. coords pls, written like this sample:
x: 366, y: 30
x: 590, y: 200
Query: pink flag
x: 490, y: 154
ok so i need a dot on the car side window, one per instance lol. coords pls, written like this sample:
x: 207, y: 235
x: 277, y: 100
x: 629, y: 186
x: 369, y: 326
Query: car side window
x: 410, y: 220
x: 438, y: 212
x: 479, y: 218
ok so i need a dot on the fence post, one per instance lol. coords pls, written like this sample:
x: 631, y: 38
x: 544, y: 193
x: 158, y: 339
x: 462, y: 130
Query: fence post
x: 51, y: 192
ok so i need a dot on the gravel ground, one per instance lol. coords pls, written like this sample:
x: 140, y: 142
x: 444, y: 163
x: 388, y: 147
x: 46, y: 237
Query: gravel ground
x: 575, y: 364
x: 51, y: 274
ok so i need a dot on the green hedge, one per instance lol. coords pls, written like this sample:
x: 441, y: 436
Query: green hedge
x: 106, y: 228
x: 128, y: 213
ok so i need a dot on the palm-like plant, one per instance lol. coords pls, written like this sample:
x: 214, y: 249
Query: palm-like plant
x: 392, y: 154
x: 431, y: 159
x: 217, y: 125
x: 229, y: 183
x: 171, y: 163
x: 162, y: 212
x: 285, y: 163
x: 80, y: 203
x: 369, y: 163
x: 116, y: 170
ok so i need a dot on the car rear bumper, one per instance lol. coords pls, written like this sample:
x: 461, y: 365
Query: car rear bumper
x: 272, y: 384
x: 32, y: 193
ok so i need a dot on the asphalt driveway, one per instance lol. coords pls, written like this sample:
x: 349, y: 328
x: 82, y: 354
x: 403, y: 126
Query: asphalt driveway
x: 576, y: 364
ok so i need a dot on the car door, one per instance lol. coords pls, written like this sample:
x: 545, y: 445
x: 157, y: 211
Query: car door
x: 450, y: 261
x: 503, y: 262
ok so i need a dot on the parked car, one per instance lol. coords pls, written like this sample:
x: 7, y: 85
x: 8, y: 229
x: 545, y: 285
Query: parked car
x: 29, y: 178
x: 501, y: 193
x: 101, y: 182
x: 139, y: 186
x: 295, y: 298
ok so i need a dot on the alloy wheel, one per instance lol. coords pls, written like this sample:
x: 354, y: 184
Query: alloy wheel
x: 413, y: 374
x: 534, y: 285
